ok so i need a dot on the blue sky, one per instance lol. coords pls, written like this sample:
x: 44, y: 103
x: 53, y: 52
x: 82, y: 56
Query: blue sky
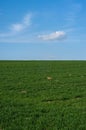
x: 43, y: 30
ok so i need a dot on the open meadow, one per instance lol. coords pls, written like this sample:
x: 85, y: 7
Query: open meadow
x: 42, y: 95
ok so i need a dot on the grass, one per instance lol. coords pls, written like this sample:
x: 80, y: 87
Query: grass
x: 42, y: 95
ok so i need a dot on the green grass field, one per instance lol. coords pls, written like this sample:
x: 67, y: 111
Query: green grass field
x: 42, y: 95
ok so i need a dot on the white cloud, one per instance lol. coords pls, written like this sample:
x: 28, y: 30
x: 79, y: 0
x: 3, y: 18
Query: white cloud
x: 58, y: 35
x: 14, y: 35
x: 18, y: 27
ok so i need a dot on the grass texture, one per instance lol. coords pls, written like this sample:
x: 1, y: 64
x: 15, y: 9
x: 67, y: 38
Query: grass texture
x: 42, y: 95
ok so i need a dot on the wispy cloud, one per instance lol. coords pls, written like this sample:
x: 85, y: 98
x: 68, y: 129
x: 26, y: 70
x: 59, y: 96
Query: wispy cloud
x: 18, y: 27
x: 27, y: 20
x: 58, y: 35
x: 16, y: 32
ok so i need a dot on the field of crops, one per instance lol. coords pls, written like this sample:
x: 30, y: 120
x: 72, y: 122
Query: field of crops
x: 42, y: 95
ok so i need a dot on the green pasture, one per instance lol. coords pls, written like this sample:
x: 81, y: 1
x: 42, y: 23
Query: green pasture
x: 42, y: 95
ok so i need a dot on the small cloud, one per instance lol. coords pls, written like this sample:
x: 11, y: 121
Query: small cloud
x: 18, y: 27
x: 15, y: 29
x: 58, y: 35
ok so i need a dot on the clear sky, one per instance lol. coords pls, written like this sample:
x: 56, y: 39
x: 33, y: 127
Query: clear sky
x: 42, y: 29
